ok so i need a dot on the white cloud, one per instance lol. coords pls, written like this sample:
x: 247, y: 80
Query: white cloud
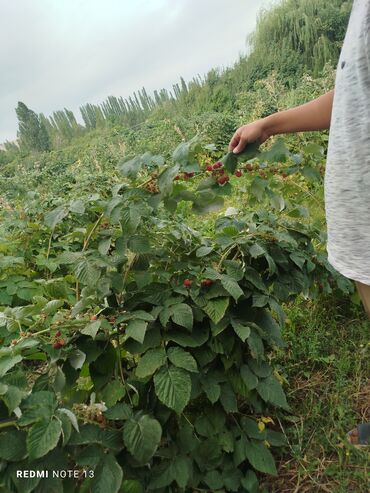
x: 57, y: 54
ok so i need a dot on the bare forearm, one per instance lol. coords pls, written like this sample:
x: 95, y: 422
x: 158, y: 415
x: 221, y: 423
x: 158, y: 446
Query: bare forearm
x: 314, y: 115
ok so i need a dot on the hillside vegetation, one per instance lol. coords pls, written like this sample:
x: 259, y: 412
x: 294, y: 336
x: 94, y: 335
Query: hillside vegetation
x: 169, y: 321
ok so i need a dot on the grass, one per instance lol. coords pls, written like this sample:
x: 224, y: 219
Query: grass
x: 326, y: 364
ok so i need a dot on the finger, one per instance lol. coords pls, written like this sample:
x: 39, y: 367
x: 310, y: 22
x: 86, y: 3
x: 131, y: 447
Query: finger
x: 242, y: 143
x: 234, y: 141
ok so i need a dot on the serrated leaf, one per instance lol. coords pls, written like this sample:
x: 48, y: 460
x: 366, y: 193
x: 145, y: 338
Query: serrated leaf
x: 142, y: 436
x: 173, y: 387
x: 216, y: 308
x: 43, y: 437
x: 131, y: 167
x: 77, y: 206
x: 242, y: 331
x: 55, y: 216
x: 91, y: 329
x: 119, y: 411
x: 150, y: 362
x: 71, y: 416
x: 260, y: 457
x: 231, y: 287
x: 248, y: 377
x: 8, y: 361
x: 113, y: 392
x: 13, y: 445
x: 182, y: 314
x: 182, y: 359
x: 139, y: 244
x: 203, y: 251
x: 107, y: 475
x: 271, y: 391
x: 136, y: 329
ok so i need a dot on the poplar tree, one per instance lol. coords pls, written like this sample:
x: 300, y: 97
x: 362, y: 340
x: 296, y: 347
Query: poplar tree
x: 32, y: 133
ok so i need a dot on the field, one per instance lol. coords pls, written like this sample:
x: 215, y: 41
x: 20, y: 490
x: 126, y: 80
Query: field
x: 169, y: 321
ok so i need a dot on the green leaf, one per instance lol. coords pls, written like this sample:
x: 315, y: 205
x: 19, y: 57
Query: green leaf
x: 228, y: 399
x: 242, y: 331
x: 271, y: 391
x: 104, y: 245
x: 131, y: 486
x: 203, y: 251
x: 43, y: 437
x: 234, y: 269
x: 173, y: 387
x: 142, y: 435
x: 87, y: 273
x: 182, y: 359
x: 260, y: 457
x: 55, y: 216
x: 230, y: 162
x: 195, y: 339
x: 216, y: 308
x: 255, y: 344
x: 130, y: 168
x: 113, y: 392
x: 277, y: 152
x: 211, y: 388
x: 91, y: 329
x: 260, y: 368
x: 182, y: 314
x: 248, y: 377
x: 71, y: 416
x: 13, y: 445
x: 77, y: 206
x: 7, y: 362
x: 89, y: 456
x: 256, y: 250
x: 311, y: 173
x: 231, y: 287
x: 254, y: 278
x: 136, y: 329
x: 150, y: 362
x: 250, y: 482
x: 139, y: 244
x: 118, y: 411
x: 107, y: 476
x: 165, y: 180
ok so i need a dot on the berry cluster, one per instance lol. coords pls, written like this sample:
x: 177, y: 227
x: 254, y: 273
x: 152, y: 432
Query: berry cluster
x: 204, y: 283
x: 219, y: 172
x: 184, y: 176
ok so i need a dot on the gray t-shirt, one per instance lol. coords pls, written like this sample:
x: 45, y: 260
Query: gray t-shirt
x: 347, y: 176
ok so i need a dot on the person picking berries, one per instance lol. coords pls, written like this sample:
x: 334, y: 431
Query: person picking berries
x: 346, y: 111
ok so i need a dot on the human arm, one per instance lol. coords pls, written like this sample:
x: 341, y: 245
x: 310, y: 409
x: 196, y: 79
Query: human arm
x: 314, y: 115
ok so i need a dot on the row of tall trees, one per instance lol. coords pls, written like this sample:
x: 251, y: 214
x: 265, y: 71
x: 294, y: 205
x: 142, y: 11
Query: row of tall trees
x: 291, y: 38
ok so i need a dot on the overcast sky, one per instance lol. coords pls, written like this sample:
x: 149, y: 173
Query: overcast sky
x: 65, y: 53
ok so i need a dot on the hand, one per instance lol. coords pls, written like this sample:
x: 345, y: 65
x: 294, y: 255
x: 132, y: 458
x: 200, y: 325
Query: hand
x: 252, y: 132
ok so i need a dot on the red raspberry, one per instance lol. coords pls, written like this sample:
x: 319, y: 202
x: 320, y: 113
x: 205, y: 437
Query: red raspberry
x: 57, y: 345
x: 217, y: 165
x: 58, y: 333
x: 187, y: 283
x: 94, y: 317
x: 222, y: 180
x: 209, y: 167
x: 238, y: 173
x: 177, y: 177
x: 206, y: 282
